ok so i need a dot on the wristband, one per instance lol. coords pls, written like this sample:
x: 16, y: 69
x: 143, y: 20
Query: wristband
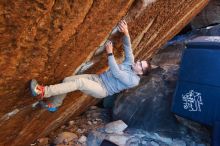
x: 110, y: 54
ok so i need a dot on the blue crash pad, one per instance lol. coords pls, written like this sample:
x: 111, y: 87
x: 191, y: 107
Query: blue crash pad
x: 197, y: 95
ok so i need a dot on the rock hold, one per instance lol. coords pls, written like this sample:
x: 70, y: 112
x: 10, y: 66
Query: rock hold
x: 115, y: 127
x: 65, y: 137
x: 82, y: 139
x: 71, y: 123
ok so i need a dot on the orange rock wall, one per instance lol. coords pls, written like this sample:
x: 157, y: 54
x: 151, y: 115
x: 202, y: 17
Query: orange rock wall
x: 49, y: 40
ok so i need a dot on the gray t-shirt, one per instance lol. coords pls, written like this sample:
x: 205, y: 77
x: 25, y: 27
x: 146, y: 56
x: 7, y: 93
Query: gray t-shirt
x: 120, y: 77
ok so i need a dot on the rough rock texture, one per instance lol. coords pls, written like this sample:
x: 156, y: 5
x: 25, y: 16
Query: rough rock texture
x: 49, y: 40
x: 208, y: 16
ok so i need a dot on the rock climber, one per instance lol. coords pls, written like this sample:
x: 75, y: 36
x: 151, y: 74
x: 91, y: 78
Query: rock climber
x: 117, y: 78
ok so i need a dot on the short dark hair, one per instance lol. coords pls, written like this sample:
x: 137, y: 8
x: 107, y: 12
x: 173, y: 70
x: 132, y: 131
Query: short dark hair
x: 146, y: 71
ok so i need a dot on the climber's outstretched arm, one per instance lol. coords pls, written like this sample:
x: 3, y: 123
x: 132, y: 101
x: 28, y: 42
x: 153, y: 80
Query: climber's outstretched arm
x: 129, y: 57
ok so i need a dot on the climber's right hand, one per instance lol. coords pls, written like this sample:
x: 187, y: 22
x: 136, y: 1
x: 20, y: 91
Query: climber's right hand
x: 123, y: 27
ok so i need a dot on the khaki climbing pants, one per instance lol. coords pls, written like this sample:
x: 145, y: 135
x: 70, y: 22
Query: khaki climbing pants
x: 90, y: 84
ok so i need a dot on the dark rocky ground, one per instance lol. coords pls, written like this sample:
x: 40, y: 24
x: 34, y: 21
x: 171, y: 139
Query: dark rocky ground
x: 76, y: 129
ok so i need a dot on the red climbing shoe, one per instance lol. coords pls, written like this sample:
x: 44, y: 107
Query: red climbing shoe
x: 36, y: 89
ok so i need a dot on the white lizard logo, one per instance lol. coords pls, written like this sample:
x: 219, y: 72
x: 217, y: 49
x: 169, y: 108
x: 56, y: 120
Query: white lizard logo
x: 192, y: 101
